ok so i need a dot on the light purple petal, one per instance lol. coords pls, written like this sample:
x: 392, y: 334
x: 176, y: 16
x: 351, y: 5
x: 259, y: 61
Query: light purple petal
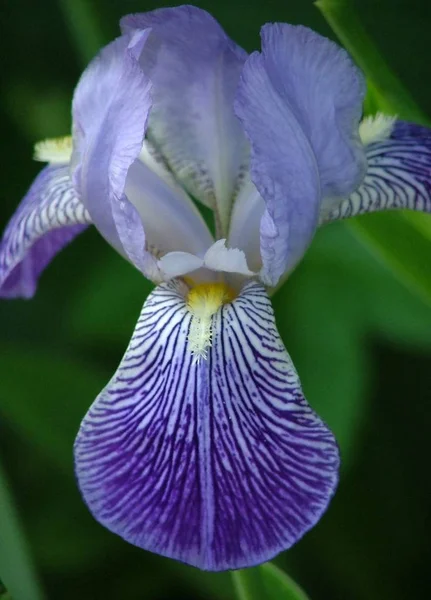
x: 300, y: 103
x: 171, y: 220
x: 195, y: 69
x: 110, y: 110
x: 220, y: 464
x: 244, y: 231
x: 398, y: 175
x: 48, y: 218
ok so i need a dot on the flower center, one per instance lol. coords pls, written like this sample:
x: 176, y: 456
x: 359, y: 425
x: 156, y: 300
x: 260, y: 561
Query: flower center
x: 203, y: 301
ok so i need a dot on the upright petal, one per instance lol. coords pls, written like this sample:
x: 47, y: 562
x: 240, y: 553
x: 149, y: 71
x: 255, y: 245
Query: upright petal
x: 300, y: 103
x: 195, y: 69
x: 398, y: 175
x: 49, y: 217
x: 219, y: 463
x: 110, y: 110
x: 171, y: 220
x: 244, y: 231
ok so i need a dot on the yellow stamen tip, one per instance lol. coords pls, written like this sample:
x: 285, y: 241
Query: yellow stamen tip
x: 209, y: 297
x: 54, y: 150
x: 376, y: 128
x: 203, y: 301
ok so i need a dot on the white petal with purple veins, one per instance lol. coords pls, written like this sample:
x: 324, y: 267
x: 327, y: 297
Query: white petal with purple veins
x: 398, y: 175
x: 48, y: 218
x: 218, y: 463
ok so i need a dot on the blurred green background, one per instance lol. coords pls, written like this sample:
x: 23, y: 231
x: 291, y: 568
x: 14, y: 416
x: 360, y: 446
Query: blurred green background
x: 360, y: 338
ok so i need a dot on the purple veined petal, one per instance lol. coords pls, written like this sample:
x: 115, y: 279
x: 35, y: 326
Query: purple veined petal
x: 398, y: 175
x: 48, y: 218
x: 220, y: 464
x: 300, y: 102
x: 195, y: 69
x: 110, y: 110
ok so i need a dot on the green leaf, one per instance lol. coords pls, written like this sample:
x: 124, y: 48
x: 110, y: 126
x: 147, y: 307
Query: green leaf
x: 420, y: 221
x: 107, y: 304
x: 16, y: 568
x: 45, y: 396
x: 266, y: 582
x: 396, y: 239
x: 388, y: 92
x: 401, y: 245
x: 386, y: 306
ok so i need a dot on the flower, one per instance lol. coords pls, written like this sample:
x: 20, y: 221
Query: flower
x: 202, y: 447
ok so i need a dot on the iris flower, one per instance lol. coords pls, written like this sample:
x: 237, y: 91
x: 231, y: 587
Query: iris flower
x: 202, y: 446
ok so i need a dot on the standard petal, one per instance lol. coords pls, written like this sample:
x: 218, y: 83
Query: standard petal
x: 171, y: 220
x: 244, y: 231
x: 398, y: 175
x: 219, y: 463
x: 300, y: 103
x: 49, y: 217
x: 110, y: 110
x: 195, y: 69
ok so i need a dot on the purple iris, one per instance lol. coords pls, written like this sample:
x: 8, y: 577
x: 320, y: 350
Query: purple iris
x: 202, y: 446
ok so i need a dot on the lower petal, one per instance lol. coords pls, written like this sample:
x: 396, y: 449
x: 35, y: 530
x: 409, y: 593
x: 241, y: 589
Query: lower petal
x: 398, y: 176
x: 47, y: 219
x: 219, y: 463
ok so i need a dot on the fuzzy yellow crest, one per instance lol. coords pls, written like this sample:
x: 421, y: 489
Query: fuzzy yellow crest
x: 376, y: 128
x: 203, y: 301
x: 54, y: 150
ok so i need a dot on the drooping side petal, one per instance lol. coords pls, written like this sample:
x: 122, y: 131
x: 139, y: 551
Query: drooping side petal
x: 48, y: 218
x: 398, y: 175
x: 195, y: 69
x: 110, y: 111
x: 219, y: 463
x: 300, y: 103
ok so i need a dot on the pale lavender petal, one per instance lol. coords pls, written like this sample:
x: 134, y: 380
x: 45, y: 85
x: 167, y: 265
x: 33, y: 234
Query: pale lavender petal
x: 175, y: 264
x: 229, y: 260
x: 195, y: 69
x: 220, y: 464
x: 300, y: 103
x: 244, y: 231
x: 283, y: 169
x: 398, y: 175
x: 171, y: 220
x: 110, y: 110
x: 48, y: 218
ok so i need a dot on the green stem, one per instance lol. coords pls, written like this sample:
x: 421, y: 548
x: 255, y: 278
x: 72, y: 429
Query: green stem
x: 16, y: 567
x: 247, y: 584
x: 266, y: 582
